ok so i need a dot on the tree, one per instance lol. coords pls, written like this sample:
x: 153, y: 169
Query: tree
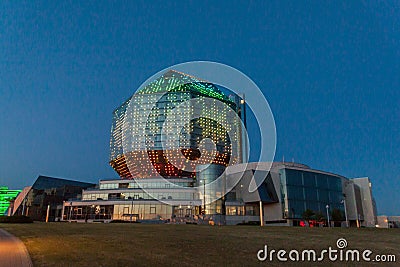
x: 308, y: 215
x: 337, y: 216
x: 319, y: 216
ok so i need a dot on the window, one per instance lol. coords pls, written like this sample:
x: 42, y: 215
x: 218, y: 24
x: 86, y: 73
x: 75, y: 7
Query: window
x: 126, y: 210
x: 123, y: 185
x: 296, y: 209
x: 311, y: 194
x: 230, y: 210
x: 323, y: 196
x: 293, y: 177
x: 153, y: 210
x: 322, y: 181
x: 312, y: 205
x: 295, y: 192
x: 250, y: 210
x: 309, y: 179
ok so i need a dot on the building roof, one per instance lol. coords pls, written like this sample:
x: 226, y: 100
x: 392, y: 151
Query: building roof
x: 44, y: 182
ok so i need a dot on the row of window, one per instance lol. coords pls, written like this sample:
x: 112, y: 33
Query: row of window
x: 142, y: 211
x: 140, y: 196
x: 145, y: 184
x: 313, y: 194
x: 296, y: 208
x: 310, y: 179
x: 242, y: 210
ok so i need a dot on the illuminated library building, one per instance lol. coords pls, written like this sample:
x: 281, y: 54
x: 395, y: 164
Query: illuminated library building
x: 158, y: 148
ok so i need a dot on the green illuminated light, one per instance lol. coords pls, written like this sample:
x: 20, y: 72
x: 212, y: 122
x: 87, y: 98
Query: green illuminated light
x: 173, y: 81
x: 6, y: 196
x: 141, y: 126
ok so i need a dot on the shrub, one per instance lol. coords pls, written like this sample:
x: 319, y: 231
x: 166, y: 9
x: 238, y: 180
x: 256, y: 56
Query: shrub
x: 250, y: 223
x: 123, y: 221
x: 15, y: 219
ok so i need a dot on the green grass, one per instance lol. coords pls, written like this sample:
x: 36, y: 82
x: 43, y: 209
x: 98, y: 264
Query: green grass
x: 66, y: 244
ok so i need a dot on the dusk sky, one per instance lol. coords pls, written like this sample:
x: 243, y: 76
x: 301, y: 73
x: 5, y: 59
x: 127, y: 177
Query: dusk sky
x: 329, y: 70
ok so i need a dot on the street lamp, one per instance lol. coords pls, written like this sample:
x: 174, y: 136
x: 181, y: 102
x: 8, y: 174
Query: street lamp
x: 204, y: 195
x: 327, y: 215
x: 70, y: 211
x: 345, y: 211
x: 131, y: 198
x: 24, y: 206
x: 92, y: 212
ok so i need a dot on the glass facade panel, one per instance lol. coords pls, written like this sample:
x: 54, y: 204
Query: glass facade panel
x: 312, y: 205
x: 303, y: 190
x: 311, y: 193
x: 335, y: 196
x: 335, y: 184
x: 309, y: 179
x: 322, y: 181
x: 323, y: 195
x: 295, y: 192
x: 296, y: 208
x: 293, y: 177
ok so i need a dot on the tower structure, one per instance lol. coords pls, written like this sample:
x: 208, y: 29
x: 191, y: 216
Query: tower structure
x: 165, y: 127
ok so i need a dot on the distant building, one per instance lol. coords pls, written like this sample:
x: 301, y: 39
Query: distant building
x: 388, y: 221
x: 47, y: 192
x: 361, y: 207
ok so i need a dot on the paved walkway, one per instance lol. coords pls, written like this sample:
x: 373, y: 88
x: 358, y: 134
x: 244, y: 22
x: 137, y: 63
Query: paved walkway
x: 13, y: 252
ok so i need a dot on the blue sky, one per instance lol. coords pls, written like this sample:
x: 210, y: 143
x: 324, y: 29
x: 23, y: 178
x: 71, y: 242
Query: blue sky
x: 330, y: 71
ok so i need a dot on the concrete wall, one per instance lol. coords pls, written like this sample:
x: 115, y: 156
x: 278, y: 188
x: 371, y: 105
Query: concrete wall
x: 368, y: 203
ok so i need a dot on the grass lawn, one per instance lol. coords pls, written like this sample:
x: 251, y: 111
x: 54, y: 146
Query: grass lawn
x: 72, y: 244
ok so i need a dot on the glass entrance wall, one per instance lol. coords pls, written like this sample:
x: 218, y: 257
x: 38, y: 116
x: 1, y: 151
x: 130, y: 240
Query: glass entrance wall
x: 90, y: 212
x: 148, y: 211
x: 209, y: 188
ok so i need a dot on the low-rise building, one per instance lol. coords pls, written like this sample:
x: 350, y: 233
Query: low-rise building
x: 44, y: 199
x: 286, y: 192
